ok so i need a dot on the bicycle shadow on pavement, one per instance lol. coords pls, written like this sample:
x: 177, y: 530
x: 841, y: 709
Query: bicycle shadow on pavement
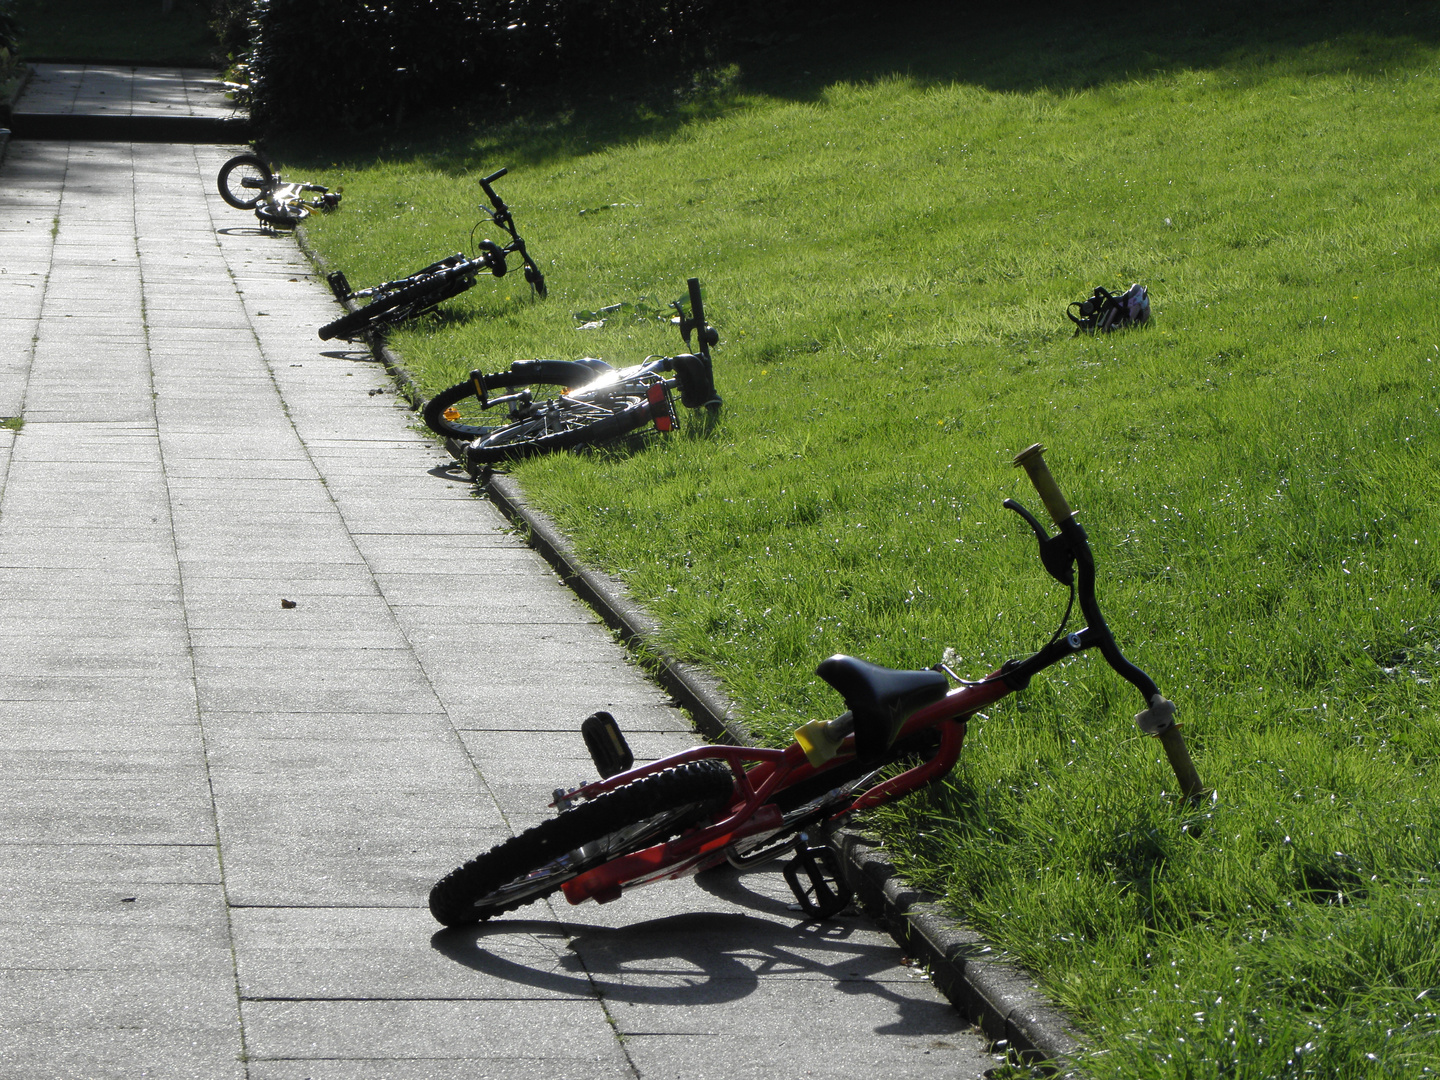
x: 360, y: 356
x: 695, y: 958
x: 699, y: 958
x: 452, y: 471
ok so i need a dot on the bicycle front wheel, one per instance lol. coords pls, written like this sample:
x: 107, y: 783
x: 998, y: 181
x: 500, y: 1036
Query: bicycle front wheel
x: 534, y: 864
x: 245, y: 180
x: 457, y: 412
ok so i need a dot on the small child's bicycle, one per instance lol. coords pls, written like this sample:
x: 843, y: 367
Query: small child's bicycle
x: 247, y: 182
x: 595, y: 402
x: 393, y: 302
x: 711, y: 804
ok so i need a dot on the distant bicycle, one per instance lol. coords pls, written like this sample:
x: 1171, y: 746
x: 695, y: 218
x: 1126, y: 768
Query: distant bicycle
x: 393, y: 302
x: 247, y: 182
x: 595, y: 402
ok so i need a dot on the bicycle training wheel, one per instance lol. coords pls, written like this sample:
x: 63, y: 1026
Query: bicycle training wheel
x: 397, y: 305
x: 233, y: 178
x: 534, y: 864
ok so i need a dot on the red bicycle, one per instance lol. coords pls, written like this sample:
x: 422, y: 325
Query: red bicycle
x: 746, y: 805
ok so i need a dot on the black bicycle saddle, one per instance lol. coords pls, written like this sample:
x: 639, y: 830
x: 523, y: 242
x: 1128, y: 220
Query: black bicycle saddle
x: 880, y: 698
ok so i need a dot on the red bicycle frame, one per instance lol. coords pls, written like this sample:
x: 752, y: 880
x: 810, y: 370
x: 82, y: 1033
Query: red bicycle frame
x: 761, y: 774
x: 768, y: 773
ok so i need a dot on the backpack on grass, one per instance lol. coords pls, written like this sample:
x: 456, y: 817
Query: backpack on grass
x: 1104, y: 311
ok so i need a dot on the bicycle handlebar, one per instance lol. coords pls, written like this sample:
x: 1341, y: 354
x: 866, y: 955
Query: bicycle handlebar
x: 502, y: 213
x: 1158, y: 717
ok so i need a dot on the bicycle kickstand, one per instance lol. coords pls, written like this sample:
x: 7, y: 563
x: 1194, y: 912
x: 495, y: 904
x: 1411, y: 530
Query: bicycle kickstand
x: 824, y: 891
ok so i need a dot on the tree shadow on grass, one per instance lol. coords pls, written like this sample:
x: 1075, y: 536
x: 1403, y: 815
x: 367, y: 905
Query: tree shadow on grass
x: 1050, y: 47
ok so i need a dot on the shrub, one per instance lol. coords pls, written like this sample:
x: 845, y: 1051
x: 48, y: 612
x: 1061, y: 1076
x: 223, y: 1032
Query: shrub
x: 230, y: 21
x: 358, y: 64
x: 9, y: 32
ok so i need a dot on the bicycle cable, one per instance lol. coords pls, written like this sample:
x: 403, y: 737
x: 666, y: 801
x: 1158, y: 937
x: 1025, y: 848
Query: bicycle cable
x: 1064, y: 619
x: 1059, y: 630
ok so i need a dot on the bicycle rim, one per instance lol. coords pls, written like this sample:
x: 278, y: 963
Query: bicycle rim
x: 239, y: 169
x: 538, y: 861
x: 562, y: 424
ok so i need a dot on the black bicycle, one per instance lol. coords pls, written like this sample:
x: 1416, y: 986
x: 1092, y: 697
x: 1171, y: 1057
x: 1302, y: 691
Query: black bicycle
x: 596, y: 402
x: 393, y: 302
x: 247, y: 182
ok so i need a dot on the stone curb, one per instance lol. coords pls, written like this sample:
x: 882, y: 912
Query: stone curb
x: 1002, y: 999
x: 692, y: 688
x: 7, y: 104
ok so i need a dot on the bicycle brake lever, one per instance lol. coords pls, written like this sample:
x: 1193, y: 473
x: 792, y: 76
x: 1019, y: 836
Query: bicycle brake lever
x: 1040, y: 533
x: 1055, y: 552
x: 686, y: 325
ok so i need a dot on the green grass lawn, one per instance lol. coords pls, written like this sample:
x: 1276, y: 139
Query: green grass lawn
x: 889, y: 219
x: 117, y: 32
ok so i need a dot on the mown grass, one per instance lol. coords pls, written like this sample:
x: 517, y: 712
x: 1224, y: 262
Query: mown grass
x: 888, y: 233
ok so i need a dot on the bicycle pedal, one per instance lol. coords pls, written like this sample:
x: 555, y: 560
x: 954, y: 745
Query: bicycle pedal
x: 605, y: 741
x: 823, y: 892
x: 338, y: 284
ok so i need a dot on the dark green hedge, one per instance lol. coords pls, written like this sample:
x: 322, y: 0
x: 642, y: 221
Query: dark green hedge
x: 323, y: 62
x: 9, y: 31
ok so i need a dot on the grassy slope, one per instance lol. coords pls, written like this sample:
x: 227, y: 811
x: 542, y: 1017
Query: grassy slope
x: 887, y: 243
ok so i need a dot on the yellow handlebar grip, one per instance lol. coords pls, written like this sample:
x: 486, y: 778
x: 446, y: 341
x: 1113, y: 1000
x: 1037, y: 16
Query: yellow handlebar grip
x: 1179, y: 756
x: 1032, y: 460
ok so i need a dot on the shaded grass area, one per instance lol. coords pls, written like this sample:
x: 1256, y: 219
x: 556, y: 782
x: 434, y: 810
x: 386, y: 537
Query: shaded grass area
x: 889, y: 217
x: 116, y: 31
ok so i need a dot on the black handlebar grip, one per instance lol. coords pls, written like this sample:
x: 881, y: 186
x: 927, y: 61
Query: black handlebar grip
x: 697, y: 307
x: 493, y: 177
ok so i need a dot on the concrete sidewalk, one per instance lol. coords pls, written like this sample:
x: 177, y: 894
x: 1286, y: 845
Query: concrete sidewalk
x: 118, y: 102
x: 221, y: 815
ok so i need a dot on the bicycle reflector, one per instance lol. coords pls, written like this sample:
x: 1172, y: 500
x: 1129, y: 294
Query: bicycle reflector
x: 658, y: 395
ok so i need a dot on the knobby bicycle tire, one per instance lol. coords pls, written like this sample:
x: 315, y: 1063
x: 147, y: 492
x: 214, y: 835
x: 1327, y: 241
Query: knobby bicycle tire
x: 454, y: 398
x: 401, y: 304
x: 254, y: 161
x: 534, y: 864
